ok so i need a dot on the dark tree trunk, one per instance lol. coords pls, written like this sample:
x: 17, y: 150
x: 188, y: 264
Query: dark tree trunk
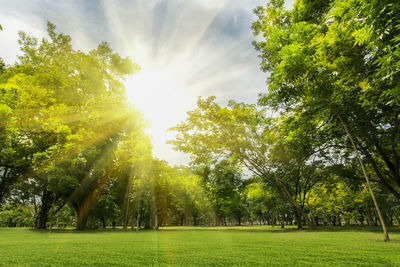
x: 195, y: 222
x: 282, y: 222
x: 3, y: 184
x: 83, y: 215
x: 298, y: 220
x: 161, y: 220
x: 81, y: 223
x: 316, y: 221
x: 43, y: 216
x: 103, y: 222
x: 147, y: 221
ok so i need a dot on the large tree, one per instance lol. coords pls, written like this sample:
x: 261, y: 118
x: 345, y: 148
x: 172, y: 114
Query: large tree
x: 244, y: 133
x: 338, y: 64
x: 64, y: 110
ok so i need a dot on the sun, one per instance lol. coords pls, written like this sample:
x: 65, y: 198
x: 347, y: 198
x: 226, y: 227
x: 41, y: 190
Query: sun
x: 163, y: 96
x: 151, y: 81
x: 155, y: 90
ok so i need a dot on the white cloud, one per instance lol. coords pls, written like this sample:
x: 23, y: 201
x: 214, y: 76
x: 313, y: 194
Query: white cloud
x: 9, y: 48
x: 211, y: 4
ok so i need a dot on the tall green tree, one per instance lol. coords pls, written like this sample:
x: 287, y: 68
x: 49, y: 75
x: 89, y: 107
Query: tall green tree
x: 336, y: 65
x: 67, y: 106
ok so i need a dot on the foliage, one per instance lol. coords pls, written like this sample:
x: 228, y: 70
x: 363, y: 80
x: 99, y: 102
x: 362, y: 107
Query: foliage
x: 243, y: 133
x: 65, y: 114
x: 335, y: 67
x: 14, y: 215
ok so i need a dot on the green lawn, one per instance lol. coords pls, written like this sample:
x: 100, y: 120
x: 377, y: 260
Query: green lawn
x: 203, y: 246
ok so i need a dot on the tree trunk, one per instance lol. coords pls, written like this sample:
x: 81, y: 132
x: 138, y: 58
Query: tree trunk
x: 316, y: 221
x: 43, y: 217
x: 127, y: 199
x: 147, y: 224
x: 81, y: 221
x: 298, y: 220
x: 156, y: 221
x: 3, y: 185
x: 378, y: 210
x: 138, y: 217
x: 195, y: 223
x: 299, y: 210
x: 103, y: 222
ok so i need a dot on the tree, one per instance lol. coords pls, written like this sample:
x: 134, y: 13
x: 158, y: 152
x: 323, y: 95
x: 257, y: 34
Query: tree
x: 335, y: 64
x: 240, y: 132
x: 266, y: 204
x: 66, y: 108
x: 224, y: 185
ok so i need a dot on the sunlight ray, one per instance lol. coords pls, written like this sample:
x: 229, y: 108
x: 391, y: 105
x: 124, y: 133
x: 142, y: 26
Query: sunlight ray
x: 110, y: 8
x: 192, y: 40
x: 199, y: 65
x: 91, y: 198
x: 103, y: 132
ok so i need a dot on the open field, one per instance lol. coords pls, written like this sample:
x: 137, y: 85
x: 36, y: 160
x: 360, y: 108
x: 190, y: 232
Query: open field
x: 202, y: 246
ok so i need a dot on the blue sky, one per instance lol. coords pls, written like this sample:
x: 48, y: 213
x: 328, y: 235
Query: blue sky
x: 186, y: 49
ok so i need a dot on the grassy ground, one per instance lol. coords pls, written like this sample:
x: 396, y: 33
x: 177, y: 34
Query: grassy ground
x: 205, y: 246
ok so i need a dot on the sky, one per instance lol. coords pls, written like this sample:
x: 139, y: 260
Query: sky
x: 185, y: 48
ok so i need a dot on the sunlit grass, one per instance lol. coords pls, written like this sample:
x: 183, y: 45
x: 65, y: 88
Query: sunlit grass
x: 200, y: 246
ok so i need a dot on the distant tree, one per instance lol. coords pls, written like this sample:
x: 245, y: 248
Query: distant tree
x: 106, y: 210
x: 14, y: 214
x: 223, y: 183
x: 266, y: 205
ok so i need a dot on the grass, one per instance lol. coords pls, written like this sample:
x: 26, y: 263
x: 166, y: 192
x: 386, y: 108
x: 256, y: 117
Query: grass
x: 200, y: 246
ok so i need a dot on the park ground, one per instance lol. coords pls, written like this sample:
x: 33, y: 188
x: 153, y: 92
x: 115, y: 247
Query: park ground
x: 200, y: 246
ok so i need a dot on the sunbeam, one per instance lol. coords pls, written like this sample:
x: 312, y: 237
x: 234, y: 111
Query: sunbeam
x: 176, y: 61
x: 185, y: 49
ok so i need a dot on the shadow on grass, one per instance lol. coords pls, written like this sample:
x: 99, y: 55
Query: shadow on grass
x: 87, y: 231
x: 287, y: 229
x: 266, y: 229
